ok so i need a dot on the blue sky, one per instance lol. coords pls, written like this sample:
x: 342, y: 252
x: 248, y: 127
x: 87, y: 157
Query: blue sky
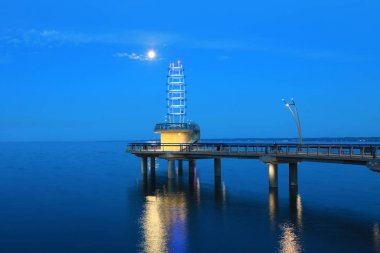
x: 75, y: 70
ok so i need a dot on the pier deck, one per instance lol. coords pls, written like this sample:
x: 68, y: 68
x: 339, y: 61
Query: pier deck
x: 271, y: 154
x: 281, y: 153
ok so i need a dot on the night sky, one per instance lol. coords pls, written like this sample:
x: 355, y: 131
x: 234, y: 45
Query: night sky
x: 77, y: 70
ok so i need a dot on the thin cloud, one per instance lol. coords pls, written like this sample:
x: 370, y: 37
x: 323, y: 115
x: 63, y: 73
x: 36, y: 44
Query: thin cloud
x: 144, y: 38
x: 52, y: 37
x: 132, y: 56
x: 55, y: 37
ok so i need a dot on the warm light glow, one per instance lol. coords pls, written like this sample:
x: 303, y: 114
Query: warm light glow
x: 151, y: 54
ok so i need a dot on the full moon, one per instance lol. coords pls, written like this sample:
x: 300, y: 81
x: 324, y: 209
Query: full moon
x: 151, y: 54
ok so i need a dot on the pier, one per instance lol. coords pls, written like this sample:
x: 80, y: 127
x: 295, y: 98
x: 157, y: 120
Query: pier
x: 180, y: 141
x: 270, y: 154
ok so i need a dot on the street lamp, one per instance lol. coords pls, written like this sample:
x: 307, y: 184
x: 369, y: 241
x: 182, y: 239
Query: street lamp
x: 293, y: 109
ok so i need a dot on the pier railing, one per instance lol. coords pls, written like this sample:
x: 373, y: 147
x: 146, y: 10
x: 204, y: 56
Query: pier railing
x: 175, y: 126
x: 345, y: 151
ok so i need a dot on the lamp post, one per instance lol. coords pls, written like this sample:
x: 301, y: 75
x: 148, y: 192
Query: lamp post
x: 293, y: 109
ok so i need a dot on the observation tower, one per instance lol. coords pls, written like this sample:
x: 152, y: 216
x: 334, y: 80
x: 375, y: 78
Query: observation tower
x: 176, y: 129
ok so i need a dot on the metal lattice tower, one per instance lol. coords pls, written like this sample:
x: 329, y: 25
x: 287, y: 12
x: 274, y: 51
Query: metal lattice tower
x: 176, y: 93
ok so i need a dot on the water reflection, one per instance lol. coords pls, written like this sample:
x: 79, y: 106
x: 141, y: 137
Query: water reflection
x: 295, y: 205
x: 164, y: 218
x: 219, y: 191
x: 291, y: 229
x: 194, y: 185
x: 163, y: 223
x: 289, y: 242
x: 273, y: 205
x: 376, y: 237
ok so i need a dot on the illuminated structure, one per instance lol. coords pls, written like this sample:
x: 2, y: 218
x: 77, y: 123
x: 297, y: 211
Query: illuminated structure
x: 175, y: 129
x: 176, y: 94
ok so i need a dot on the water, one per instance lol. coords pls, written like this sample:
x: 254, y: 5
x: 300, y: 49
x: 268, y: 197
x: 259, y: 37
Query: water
x: 90, y: 197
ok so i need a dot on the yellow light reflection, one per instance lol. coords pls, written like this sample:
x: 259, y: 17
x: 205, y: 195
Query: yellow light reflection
x: 289, y: 242
x: 154, y: 231
x: 273, y: 205
x: 163, y: 223
x: 299, y: 211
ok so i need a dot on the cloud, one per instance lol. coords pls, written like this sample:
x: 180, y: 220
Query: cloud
x: 133, y: 56
x: 52, y: 37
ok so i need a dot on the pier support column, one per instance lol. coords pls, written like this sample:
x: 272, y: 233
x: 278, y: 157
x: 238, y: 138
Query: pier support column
x: 218, y: 189
x: 144, y: 183
x: 152, y: 165
x: 191, y: 175
x: 180, y: 167
x: 217, y: 168
x: 144, y: 173
x: 191, y: 168
x: 144, y: 165
x: 273, y: 175
x: 293, y: 175
x: 152, y: 162
x: 171, y: 169
x: 293, y: 195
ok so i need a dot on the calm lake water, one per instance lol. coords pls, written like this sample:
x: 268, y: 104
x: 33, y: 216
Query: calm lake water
x: 91, y: 197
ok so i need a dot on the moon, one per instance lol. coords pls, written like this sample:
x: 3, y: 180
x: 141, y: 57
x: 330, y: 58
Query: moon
x: 151, y: 54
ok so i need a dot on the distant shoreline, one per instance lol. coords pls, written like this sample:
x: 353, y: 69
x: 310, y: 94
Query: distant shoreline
x: 287, y: 140
x: 335, y: 139
x: 241, y: 140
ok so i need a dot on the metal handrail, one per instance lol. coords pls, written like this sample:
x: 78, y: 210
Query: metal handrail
x: 175, y: 126
x: 317, y: 150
